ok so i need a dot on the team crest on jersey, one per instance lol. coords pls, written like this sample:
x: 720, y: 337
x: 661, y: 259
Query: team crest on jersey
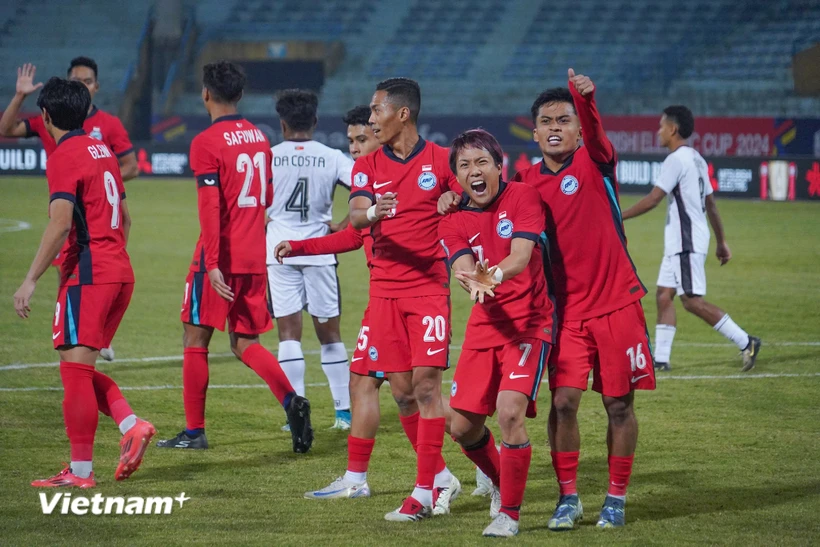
x: 569, y: 185
x: 360, y: 180
x: 453, y: 390
x: 96, y: 133
x: 427, y: 181
x: 504, y: 228
x: 373, y: 353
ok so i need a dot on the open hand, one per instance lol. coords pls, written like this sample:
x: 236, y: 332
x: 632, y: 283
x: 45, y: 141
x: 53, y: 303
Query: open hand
x: 480, y: 282
x: 582, y: 83
x: 219, y: 285
x: 25, y: 79
x: 448, y: 203
x: 22, y: 298
x: 723, y: 253
x: 283, y: 249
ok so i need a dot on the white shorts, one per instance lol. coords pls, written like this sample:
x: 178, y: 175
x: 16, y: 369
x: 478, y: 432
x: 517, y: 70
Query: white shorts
x: 685, y: 272
x: 294, y: 288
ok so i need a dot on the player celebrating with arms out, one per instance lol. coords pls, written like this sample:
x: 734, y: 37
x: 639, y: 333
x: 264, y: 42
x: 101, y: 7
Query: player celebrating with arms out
x: 395, y: 193
x: 684, y: 179
x: 510, y: 330
x: 87, y: 209
x: 231, y: 162
x: 305, y: 175
x: 597, y: 291
x: 98, y: 124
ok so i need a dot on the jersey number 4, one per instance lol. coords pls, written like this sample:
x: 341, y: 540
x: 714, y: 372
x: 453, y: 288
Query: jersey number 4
x: 244, y: 164
x: 298, y: 201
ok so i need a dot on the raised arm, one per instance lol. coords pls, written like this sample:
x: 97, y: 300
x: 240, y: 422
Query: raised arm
x: 592, y: 130
x: 10, y: 126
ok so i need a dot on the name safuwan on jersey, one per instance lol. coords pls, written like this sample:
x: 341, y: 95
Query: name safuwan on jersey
x: 305, y: 175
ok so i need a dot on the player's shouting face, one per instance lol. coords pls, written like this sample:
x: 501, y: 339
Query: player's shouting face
x: 478, y: 169
x: 557, y: 128
x: 386, y: 118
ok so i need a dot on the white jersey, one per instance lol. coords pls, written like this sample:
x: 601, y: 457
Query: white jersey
x: 685, y: 178
x: 305, y: 174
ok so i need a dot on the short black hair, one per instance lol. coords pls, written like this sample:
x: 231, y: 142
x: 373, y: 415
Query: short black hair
x: 297, y: 108
x: 87, y: 62
x: 682, y: 117
x: 549, y: 96
x: 359, y: 115
x: 403, y: 92
x: 67, y: 103
x: 224, y: 80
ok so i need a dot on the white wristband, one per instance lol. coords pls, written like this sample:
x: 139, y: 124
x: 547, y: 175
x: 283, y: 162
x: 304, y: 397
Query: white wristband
x: 371, y: 214
x: 498, y: 276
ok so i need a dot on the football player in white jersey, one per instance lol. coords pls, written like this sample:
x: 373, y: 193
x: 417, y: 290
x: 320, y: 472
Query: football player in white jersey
x: 684, y: 181
x: 305, y: 175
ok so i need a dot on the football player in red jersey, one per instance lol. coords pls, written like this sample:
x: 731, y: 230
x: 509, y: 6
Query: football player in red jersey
x: 510, y: 330
x: 98, y: 124
x: 395, y: 193
x: 227, y: 281
x: 597, y: 290
x: 87, y: 209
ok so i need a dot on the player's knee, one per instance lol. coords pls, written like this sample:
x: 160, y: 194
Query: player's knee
x: 619, y: 412
x: 663, y: 297
x: 692, y: 304
x: 510, y: 420
x: 462, y: 431
x: 566, y: 407
x: 426, y: 392
x: 406, y: 403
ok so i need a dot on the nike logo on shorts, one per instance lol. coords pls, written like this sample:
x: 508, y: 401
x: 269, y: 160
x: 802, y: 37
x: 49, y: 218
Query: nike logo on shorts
x: 433, y: 352
x: 638, y: 378
x: 514, y: 376
x: 377, y: 185
x: 54, y: 336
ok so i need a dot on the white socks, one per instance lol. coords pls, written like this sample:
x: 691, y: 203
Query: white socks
x: 423, y: 496
x: 664, y: 335
x: 292, y: 362
x: 730, y: 330
x: 356, y: 478
x: 128, y: 423
x: 443, y: 479
x: 337, y: 370
x: 81, y: 469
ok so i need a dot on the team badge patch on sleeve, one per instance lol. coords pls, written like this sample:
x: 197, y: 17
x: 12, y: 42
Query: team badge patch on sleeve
x: 360, y: 180
x: 427, y: 181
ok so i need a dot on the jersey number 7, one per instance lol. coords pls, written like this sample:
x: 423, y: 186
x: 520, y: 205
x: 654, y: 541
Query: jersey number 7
x: 245, y: 165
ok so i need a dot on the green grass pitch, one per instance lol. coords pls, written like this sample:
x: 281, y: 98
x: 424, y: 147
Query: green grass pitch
x: 721, y: 459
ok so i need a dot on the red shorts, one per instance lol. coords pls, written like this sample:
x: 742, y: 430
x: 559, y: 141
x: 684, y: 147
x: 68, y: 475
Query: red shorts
x: 247, y: 314
x: 360, y: 363
x: 615, y: 347
x: 409, y: 332
x: 482, y: 373
x: 88, y: 315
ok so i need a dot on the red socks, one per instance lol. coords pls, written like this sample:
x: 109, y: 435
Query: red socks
x: 566, y: 471
x: 410, y: 424
x: 358, y: 453
x: 485, y: 456
x: 515, y: 466
x: 109, y: 398
x: 620, y: 468
x: 194, y: 386
x: 263, y: 363
x: 79, y: 409
x: 430, y: 441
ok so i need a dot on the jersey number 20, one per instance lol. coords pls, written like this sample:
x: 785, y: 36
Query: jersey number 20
x: 245, y: 165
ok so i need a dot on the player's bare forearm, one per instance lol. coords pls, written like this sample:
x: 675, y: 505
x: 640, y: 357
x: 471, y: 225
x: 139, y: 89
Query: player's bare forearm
x: 646, y: 204
x: 54, y: 237
x: 128, y: 166
x: 358, y: 212
x: 341, y: 225
x: 10, y: 126
x: 463, y: 264
x: 517, y: 260
x: 714, y: 219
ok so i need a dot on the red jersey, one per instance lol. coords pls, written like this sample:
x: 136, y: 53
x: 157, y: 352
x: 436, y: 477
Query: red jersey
x: 98, y: 125
x: 521, y: 307
x: 231, y: 161
x: 407, y: 259
x: 592, y: 271
x: 342, y: 241
x: 85, y: 172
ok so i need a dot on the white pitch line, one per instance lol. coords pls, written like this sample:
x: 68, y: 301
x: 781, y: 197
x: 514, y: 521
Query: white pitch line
x: 765, y: 375
x: 166, y: 358
x: 8, y: 225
